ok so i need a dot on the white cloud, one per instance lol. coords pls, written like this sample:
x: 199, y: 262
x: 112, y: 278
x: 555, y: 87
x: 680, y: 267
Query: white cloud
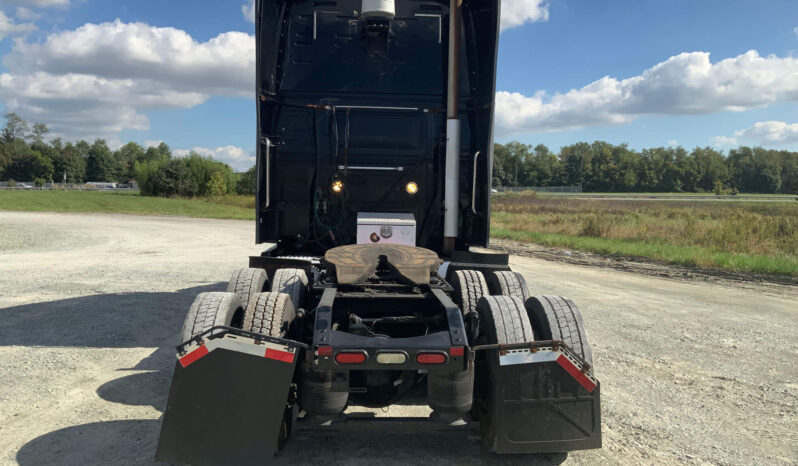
x: 99, y: 79
x: 27, y: 14
x: 151, y: 143
x: 239, y: 159
x: 770, y: 132
x: 9, y: 27
x: 673, y: 143
x: 687, y: 83
x: 519, y: 12
x: 723, y: 141
x: 248, y: 9
x: 224, y: 65
x: 795, y: 30
x: 80, y: 105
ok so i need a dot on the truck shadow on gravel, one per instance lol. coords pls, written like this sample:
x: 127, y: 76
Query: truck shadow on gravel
x: 134, y: 441
x: 142, y: 320
x: 119, y: 320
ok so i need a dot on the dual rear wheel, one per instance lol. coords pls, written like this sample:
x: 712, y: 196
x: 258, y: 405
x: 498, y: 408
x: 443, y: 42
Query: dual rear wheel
x: 472, y: 285
x: 549, y: 317
x: 506, y: 313
x: 247, y: 304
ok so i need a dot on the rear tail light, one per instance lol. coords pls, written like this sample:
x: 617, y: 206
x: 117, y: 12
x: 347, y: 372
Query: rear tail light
x: 431, y: 358
x: 350, y: 357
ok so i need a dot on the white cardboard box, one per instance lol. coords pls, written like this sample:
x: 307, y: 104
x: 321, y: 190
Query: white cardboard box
x: 389, y: 228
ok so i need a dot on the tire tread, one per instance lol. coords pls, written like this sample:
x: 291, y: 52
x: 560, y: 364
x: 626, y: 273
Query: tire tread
x: 209, y: 310
x: 558, y: 318
x: 293, y: 282
x: 508, y: 283
x: 268, y: 313
x: 246, y: 282
x: 469, y: 287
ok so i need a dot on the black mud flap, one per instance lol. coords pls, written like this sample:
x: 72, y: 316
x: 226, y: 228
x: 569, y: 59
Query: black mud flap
x: 542, y: 400
x: 228, y: 399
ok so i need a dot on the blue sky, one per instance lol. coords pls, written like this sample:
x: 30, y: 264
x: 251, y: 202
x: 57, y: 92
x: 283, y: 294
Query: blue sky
x: 644, y: 72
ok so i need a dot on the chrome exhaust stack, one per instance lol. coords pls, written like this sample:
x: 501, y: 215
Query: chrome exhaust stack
x: 452, y: 188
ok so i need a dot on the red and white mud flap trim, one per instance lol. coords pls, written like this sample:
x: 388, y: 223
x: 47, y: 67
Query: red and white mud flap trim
x: 238, y: 344
x: 566, y: 361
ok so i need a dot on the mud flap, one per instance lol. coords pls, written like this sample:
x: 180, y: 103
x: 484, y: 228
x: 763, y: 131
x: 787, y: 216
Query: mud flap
x: 227, y: 401
x: 541, y: 401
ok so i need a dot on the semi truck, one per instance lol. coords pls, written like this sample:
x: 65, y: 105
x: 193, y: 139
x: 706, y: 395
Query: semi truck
x: 374, y: 154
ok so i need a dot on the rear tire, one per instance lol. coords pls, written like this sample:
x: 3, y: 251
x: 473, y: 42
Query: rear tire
x: 558, y: 318
x: 246, y: 283
x: 507, y: 283
x: 469, y: 286
x: 502, y: 320
x: 210, y: 310
x: 293, y: 282
x: 269, y: 314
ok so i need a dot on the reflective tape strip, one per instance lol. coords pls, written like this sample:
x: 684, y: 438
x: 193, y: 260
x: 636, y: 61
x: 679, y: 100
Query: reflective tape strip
x: 278, y: 355
x: 193, y: 356
x: 526, y: 356
x: 571, y: 368
x: 240, y: 345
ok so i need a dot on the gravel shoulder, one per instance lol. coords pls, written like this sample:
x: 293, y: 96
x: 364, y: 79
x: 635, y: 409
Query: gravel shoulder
x: 692, y: 370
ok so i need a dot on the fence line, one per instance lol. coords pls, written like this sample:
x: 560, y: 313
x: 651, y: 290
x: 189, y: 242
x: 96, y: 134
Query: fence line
x: 541, y: 189
x: 61, y: 188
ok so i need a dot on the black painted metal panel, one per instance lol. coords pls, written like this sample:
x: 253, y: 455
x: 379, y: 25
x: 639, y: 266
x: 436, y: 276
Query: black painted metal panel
x: 225, y: 408
x: 540, y: 408
x: 317, y: 59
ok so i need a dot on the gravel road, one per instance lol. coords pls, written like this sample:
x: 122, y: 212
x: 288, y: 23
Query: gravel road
x: 90, y: 305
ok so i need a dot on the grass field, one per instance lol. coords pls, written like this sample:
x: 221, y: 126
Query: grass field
x: 746, y: 236
x: 686, y: 195
x: 227, y: 207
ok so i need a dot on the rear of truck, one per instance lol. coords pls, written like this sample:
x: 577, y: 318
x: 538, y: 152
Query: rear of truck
x: 375, y: 135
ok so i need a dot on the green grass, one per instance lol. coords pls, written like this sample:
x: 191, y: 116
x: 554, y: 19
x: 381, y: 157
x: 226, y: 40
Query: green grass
x: 786, y: 196
x: 227, y: 207
x: 694, y: 256
x: 748, y: 237
x: 745, y: 237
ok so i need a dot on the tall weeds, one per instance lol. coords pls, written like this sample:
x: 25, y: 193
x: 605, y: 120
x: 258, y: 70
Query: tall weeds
x: 746, y: 228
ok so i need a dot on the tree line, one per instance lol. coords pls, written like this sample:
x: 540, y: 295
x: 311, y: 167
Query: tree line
x: 604, y: 167
x: 25, y: 155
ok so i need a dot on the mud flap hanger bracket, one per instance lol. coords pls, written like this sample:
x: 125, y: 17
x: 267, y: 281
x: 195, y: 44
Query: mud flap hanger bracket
x: 220, y: 331
x: 572, y: 362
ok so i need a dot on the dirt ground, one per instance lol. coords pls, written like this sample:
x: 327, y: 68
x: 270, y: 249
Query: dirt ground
x: 692, y: 371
